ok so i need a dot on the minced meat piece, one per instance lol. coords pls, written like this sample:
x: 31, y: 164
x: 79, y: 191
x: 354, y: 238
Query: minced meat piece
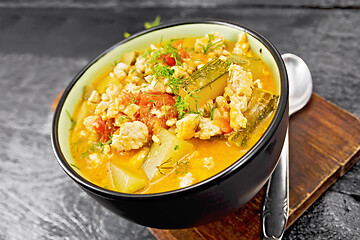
x: 207, y: 129
x: 242, y: 46
x: 186, y: 127
x: 132, y: 135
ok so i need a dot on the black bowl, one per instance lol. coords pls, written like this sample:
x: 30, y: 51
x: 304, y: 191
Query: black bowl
x: 205, y: 201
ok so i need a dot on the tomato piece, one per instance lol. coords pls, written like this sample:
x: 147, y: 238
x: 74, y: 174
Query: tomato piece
x: 183, y: 53
x: 223, y: 124
x: 169, y: 60
x: 128, y: 98
x: 156, y: 100
x: 177, y: 44
x: 104, y: 128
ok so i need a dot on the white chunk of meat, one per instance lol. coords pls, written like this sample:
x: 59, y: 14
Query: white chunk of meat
x: 207, y: 129
x: 186, y: 127
x: 187, y: 180
x: 242, y: 46
x: 132, y: 135
x: 121, y: 70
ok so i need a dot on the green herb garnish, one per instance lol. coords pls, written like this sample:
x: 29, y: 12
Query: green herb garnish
x: 155, y: 23
x: 182, y: 167
x: 98, y: 145
x: 115, y: 63
x: 149, y: 94
x: 169, y: 49
x: 163, y: 71
x: 182, y: 105
x: 71, y: 121
x: 162, y: 167
x: 210, y: 44
x: 73, y: 165
x: 132, y: 100
x: 212, y: 109
x: 152, y: 101
x: 174, y: 84
x: 90, y: 150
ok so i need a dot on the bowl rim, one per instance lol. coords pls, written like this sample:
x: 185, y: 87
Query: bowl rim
x: 206, y: 183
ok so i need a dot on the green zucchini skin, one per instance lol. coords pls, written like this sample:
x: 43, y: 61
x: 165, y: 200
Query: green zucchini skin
x: 206, y: 75
x: 260, y: 106
x: 251, y: 64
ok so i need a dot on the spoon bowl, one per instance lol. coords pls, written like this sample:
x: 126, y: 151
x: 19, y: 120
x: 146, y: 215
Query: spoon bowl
x: 300, y: 82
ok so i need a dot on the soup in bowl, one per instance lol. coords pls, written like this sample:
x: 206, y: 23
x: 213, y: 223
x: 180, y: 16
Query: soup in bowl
x: 175, y: 126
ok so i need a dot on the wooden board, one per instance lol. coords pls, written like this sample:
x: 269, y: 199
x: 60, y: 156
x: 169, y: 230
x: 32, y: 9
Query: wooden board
x: 324, y: 144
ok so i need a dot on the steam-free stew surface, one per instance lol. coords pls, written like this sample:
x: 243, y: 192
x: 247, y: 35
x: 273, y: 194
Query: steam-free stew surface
x: 172, y: 115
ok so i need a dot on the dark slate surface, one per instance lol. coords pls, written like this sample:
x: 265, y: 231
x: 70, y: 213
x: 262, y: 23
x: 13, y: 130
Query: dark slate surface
x: 43, y: 44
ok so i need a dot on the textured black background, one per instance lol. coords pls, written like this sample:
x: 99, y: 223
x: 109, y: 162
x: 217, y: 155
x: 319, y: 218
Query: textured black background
x: 43, y: 44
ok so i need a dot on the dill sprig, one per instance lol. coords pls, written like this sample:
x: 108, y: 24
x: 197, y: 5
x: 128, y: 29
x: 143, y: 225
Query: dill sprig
x: 212, y: 109
x: 161, y: 167
x: 73, y: 165
x: 182, y: 105
x: 194, y: 95
x: 155, y: 56
x: 72, y: 122
x: 182, y: 167
x: 169, y: 49
x: 97, y: 146
x: 155, y: 23
x: 210, y: 44
x: 163, y: 71
x: 147, y: 53
x: 132, y: 100
x: 168, y: 73
x: 122, y: 119
x: 174, y: 84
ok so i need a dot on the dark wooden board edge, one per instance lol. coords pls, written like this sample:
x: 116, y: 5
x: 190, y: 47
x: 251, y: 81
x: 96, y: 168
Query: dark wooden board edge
x: 322, y: 188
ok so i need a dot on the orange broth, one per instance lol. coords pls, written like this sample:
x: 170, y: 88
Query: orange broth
x: 207, y: 158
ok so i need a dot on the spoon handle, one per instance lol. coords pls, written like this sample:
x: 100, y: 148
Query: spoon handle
x: 276, y: 204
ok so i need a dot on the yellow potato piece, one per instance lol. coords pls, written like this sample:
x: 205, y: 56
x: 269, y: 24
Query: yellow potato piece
x: 165, y: 154
x: 126, y: 181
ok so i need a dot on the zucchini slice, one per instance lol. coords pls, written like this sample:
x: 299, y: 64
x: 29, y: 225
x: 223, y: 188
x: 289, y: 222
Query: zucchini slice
x: 207, y: 74
x: 254, y: 65
x: 206, y: 83
x: 260, y: 106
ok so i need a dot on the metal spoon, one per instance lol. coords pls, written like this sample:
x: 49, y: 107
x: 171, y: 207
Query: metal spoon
x: 276, y: 204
